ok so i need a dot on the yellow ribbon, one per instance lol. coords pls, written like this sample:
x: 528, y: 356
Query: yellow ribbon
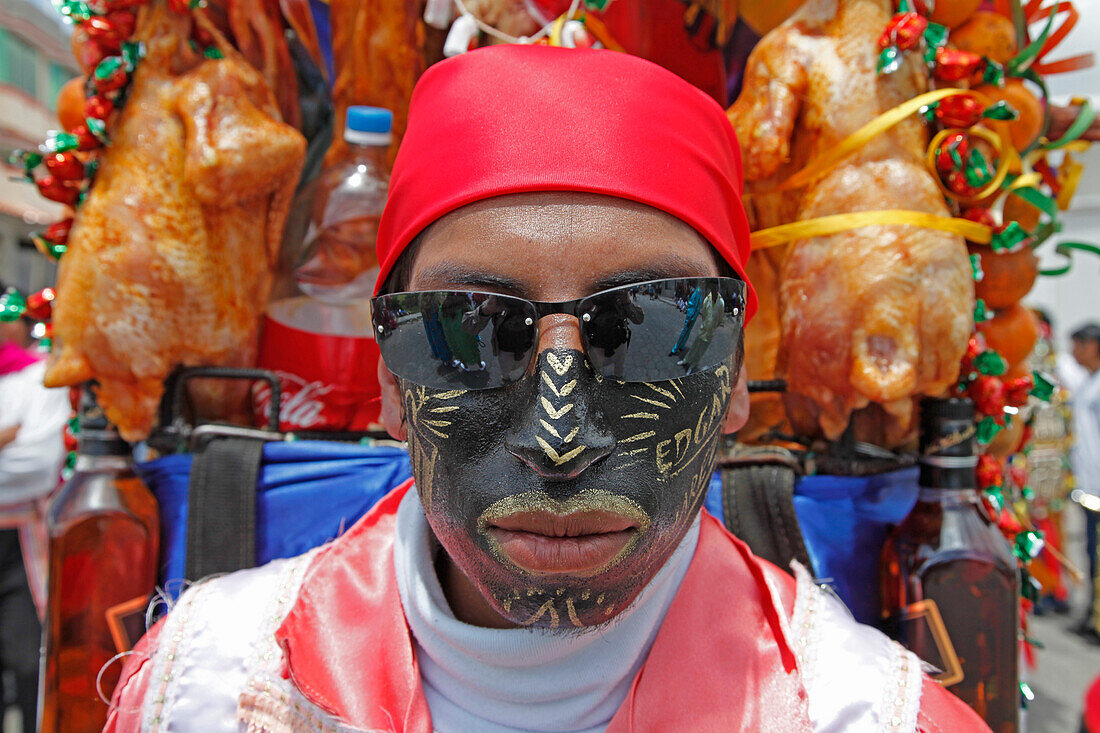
x: 1069, y: 175
x: 835, y: 223
x: 1006, y: 155
x: 851, y: 144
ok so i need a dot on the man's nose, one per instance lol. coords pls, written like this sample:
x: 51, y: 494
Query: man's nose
x: 559, y: 331
x: 562, y: 432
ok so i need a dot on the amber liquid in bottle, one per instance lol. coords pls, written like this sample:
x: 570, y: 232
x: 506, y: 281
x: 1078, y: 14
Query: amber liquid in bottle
x: 104, y: 534
x: 947, y: 551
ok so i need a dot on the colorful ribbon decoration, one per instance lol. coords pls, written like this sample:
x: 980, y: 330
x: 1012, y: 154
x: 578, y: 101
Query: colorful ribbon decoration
x: 1006, y: 156
x: 851, y: 144
x: 824, y: 225
x: 1066, y: 249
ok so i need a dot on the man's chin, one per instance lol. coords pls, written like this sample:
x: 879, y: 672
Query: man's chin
x: 560, y: 607
x: 560, y: 601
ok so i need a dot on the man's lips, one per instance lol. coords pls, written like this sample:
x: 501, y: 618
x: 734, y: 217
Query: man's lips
x: 575, y: 524
x: 583, y: 554
x: 580, y: 535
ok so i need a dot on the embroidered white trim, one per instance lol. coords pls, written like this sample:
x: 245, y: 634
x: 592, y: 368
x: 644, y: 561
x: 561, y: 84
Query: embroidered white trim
x: 856, y: 678
x: 168, y: 657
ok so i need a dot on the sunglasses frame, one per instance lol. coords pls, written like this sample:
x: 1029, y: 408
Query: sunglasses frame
x: 573, y: 308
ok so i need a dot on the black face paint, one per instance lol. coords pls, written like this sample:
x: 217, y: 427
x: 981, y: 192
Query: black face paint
x: 564, y: 440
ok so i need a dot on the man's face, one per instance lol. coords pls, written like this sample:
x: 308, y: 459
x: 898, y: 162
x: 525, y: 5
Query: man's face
x: 559, y: 496
x: 1086, y: 352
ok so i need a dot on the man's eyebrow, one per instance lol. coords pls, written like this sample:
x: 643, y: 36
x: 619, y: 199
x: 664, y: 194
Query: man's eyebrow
x: 445, y: 274
x: 670, y: 267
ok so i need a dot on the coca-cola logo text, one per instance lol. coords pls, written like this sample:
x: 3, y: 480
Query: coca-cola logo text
x: 303, y: 403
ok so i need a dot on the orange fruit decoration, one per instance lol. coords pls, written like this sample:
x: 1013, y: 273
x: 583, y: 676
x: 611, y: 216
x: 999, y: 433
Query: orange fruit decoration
x: 953, y: 13
x: 987, y: 34
x: 70, y: 103
x: 1012, y: 333
x: 1017, y: 370
x: 1025, y: 128
x: 1018, y: 210
x: 1008, y: 276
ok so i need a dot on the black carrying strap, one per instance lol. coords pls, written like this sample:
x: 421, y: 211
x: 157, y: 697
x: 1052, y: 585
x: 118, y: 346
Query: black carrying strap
x: 221, y: 507
x: 758, y: 507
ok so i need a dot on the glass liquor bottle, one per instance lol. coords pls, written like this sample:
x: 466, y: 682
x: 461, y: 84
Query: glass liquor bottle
x: 947, y: 562
x: 103, y: 543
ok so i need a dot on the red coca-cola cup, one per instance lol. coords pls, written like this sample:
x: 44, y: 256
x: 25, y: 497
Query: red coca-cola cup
x: 329, y: 378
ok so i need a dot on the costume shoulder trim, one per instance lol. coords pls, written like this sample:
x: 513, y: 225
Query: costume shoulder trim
x: 219, y: 635
x: 856, y: 677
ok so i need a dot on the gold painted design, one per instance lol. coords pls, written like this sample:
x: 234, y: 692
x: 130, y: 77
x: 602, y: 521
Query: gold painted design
x: 639, y: 436
x: 438, y: 423
x: 555, y: 414
x: 572, y: 613
x: 641, y: 416
x: 585, y: 595
x: 553, y: 454
x: 660, y: 391
x: 543, y: 609
x: 565, y: 389
x: 450, y: 395
x: 445, y: 408
x: 553, y: 431
x: 636, y: 451
x: 674, y: 455
x: 655, y: 403
x: 559, y: 364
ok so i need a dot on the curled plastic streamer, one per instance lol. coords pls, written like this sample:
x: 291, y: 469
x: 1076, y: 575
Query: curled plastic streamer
x: 1066, y: 249
x: 823, y: 225
x: 851, y: 144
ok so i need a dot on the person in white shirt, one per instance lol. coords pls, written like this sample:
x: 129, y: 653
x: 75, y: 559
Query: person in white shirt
x: 32, y: 450
x: 1085, y: 456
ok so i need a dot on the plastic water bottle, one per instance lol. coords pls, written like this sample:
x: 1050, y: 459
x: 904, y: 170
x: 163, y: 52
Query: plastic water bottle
x: 320, y: 340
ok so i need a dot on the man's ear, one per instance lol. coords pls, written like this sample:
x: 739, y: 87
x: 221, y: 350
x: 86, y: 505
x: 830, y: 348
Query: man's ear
x: 738, y: 411
x: 393, y: 407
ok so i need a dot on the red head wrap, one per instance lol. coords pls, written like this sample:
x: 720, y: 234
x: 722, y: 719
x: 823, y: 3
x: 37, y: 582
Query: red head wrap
x: 513, y: 119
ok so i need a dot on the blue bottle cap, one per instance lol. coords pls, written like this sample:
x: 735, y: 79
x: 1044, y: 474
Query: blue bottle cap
x: 370, y: 119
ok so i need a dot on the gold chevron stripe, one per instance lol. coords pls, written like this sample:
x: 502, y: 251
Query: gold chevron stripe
x: 553, y: 431
x: 555, y: 414
x: 639, y: 436
x: 553, y: 454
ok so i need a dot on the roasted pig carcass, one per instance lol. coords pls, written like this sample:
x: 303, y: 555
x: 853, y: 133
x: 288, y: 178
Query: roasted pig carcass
x: 872, y: 317
x: 169, y: 259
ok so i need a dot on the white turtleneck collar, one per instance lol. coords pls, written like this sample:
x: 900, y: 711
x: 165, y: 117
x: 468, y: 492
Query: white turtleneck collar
x: 509, y: 680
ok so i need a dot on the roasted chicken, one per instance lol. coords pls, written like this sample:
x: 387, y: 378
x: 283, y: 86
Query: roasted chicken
x: 378, y: 51
x: 169, y: 259
x: 873, y: 317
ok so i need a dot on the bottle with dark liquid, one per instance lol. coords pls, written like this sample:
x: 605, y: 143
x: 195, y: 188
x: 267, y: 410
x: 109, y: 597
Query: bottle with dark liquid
x: 947, y: 561
x: 104, y: 533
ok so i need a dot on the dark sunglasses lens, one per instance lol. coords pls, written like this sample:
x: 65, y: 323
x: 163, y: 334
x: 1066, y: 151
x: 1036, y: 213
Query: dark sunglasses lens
x: 454, y: 339
x: 664, y: 329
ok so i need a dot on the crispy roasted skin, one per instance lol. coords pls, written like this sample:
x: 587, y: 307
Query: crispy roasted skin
x: 377, y: 49
x: 170, y: 256
x: 871, y: 316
